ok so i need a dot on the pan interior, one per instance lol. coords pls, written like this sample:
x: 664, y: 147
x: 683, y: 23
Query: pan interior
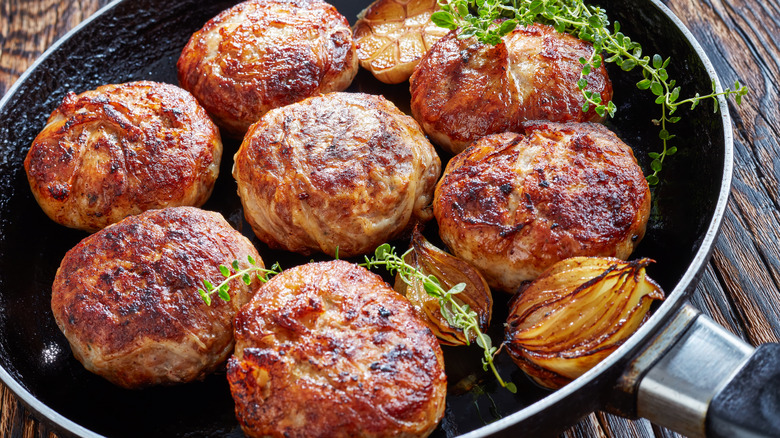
x: 142, y: 39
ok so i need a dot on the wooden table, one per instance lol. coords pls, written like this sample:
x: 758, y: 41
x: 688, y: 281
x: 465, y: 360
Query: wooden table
x: 741, y: 286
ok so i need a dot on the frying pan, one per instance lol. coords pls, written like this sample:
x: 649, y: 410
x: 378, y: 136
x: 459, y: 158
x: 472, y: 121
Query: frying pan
x: 674, y: 364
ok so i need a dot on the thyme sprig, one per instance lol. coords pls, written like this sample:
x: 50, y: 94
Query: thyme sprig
x: 490, y: 20
x: 245, y: 274
x: 457, y: 314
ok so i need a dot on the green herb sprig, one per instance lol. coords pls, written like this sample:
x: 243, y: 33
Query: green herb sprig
x: 490, y: 20
x: 246, y: 275
x: 457, y: 314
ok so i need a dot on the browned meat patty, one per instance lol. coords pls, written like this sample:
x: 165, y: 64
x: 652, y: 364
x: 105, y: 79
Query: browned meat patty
x: 463, y: 90
x: 329, y: 349
x: 122, y: 149
x: 341, y: 172
x: 263, y: 54
x: 513, y: 205
x: 127, y: 297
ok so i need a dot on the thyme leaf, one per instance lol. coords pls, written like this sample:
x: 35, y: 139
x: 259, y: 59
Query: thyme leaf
x: 457, y: 314
x: 222, y: 290
x: 490, y: 20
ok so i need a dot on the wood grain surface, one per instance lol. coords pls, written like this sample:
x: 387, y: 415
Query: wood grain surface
x: 741, y: 285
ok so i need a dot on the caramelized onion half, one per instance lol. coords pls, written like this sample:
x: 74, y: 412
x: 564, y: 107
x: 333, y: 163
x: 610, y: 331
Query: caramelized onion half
x: 450, y: 271
x: 576, y: 314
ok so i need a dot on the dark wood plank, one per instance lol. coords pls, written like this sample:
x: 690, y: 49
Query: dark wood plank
x: 10, y: 421
x: 712, y: 299
x: 615, y: 426
x: 587, y: 428
x: 29, y: 27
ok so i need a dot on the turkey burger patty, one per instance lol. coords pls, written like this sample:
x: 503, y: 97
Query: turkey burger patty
x: 263, y: 54
x: 330, y: 349
x: 122, y: 149
x: 343, y: 172
x: 514, y: 204
x: 127, y: 299
x: 463, y: 90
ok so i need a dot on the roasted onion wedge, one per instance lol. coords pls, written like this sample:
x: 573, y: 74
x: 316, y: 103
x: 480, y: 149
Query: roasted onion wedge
x: 450, y: 271
x: 392, y: 36
x: 576, y: 314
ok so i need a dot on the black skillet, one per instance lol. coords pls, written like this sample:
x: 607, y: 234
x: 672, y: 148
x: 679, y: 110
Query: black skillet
x: 141, y: 39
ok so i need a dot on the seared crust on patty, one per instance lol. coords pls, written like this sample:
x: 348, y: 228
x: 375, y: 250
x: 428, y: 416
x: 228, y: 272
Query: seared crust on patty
x: 513, y: 205
x: 329, y: 349
x: 463, y: 90
x: 127, y: 297
x: 122, y: 149
x: 263, y: 54
x: 343, y: 172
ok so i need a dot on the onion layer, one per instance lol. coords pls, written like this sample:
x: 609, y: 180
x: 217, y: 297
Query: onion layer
x: 576, y: 314
x: 450, y: 271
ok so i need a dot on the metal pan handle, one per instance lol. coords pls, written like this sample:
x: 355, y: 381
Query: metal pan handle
x: 702, y: 381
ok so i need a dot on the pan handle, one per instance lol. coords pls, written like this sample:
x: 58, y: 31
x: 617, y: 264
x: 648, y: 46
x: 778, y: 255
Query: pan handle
x: 749, y: 405
x: 702, y: 381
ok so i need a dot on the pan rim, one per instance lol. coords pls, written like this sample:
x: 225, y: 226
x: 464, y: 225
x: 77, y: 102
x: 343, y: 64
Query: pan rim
x: 675, y: 299
x: 42, y: 411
